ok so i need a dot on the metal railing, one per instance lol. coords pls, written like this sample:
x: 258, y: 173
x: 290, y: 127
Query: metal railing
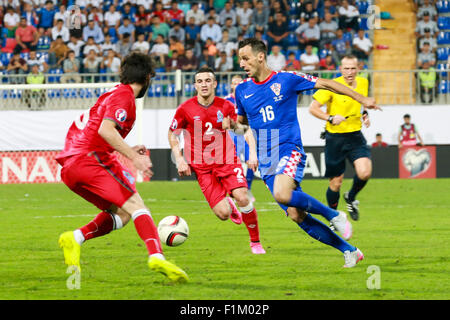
x: 390, y: 87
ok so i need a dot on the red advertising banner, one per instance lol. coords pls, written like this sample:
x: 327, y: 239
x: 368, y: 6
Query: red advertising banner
x: 417, y: 162
x: 38, y: 167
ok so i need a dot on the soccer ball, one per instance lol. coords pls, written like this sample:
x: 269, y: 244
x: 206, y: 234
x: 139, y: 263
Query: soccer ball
x: 173, y: 230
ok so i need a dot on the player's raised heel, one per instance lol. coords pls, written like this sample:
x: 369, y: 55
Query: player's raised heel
x: 342, y: 225
x: 352, y: 258
x: 168, y: 269
x: 71, y: 249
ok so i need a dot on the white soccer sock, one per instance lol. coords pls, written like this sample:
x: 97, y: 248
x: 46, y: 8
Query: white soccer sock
x: 118, y: 222
x: 158, y: 255
x: 247, y: 209
x: 79, y: 237
x: 140, y: 212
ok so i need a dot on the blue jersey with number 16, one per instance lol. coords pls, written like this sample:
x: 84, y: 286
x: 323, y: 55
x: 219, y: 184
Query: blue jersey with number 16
x: 271, y: 109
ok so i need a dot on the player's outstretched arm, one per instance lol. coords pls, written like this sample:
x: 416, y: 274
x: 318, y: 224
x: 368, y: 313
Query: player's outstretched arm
x: 109, y: 133
x: 339, y: 88
x: 183, y: 167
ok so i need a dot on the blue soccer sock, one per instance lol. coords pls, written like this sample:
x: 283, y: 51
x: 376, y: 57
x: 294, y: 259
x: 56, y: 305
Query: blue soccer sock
x: 333, y: 198
x: 319, y: 231
x: 307, y: 203
x: 249, y: 177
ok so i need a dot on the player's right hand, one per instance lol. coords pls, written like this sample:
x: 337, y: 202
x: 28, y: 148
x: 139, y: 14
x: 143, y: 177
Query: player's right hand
x: 183, y: 168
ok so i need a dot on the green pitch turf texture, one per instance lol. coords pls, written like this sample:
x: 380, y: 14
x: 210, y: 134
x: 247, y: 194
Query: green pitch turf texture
x: 404, y: 230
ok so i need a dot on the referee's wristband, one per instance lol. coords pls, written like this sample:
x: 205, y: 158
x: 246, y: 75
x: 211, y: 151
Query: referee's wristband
x: 330, y: 119
x: 365, y: 113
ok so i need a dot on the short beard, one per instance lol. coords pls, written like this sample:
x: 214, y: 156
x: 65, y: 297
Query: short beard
x: 143, y: 90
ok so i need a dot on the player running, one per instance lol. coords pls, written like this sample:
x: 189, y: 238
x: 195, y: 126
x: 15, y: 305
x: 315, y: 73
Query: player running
x: 267, y: 101
x: 243, y: 150
x: 343, y: 136
x: 210, y: 153
x: 90, y: 169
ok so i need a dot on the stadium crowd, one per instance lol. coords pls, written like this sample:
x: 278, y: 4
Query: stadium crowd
x: 72, y: 37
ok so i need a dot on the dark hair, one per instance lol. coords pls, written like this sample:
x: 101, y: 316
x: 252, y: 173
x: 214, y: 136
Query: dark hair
x: 135, y: 68
x: 256, y: 45
x: 378, y: 135
x: 205, y: 69
x: 407, y: 116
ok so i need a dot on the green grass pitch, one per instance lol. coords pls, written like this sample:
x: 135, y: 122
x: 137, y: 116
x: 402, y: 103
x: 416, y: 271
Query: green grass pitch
x: 404, y: 231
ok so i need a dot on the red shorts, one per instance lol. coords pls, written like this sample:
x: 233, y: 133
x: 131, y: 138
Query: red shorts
x: 218, y: 181
x: 100, y: 179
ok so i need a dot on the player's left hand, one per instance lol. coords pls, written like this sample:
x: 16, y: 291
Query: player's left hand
x: 252, y: 162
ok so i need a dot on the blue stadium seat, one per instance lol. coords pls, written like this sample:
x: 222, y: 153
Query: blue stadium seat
x: 298, y: 53
x: 188, y: 89
x: 158, y: 90
x: 363, y: 24
x: 442, y: 66
x: 323, y: 53
x: 443, y: 6
x: 443, y: 23
x: 293, y: 24
x: 443, y: 53
x: 171, y: 90
x: 362, y: 6
x: 347, y: 36
x: 292, y: 39
x: 443, y: 86
x: 5, y: 57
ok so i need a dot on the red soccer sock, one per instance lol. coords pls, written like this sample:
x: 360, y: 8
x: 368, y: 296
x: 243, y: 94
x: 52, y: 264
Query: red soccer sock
x: 102, y: 224
x: 147, y: 230
x: 250, y: 219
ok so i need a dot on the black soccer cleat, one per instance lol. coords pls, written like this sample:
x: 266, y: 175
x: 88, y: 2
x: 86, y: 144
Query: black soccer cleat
x: 352, y: 207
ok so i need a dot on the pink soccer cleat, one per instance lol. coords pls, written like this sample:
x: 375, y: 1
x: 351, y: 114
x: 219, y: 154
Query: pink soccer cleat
x: 352, y: 258
x: 235, y: 216
x: 257, y: 248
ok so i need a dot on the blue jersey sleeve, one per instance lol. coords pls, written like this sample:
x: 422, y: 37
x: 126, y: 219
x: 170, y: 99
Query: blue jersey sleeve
x: 239, y: 106
x: 301, y: 81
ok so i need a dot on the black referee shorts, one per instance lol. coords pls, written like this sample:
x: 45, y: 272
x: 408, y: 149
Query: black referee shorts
x: 341, y: 146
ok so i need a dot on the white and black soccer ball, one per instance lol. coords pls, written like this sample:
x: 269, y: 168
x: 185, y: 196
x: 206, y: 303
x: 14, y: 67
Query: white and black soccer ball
x: 173, y: 230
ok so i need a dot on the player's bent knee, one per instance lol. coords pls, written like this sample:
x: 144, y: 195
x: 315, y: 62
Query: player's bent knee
x: 283, y: 197
x: 296, y: 214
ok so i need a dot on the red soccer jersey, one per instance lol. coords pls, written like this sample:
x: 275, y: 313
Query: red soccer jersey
x: 118, y: 105
x: 205, y: 142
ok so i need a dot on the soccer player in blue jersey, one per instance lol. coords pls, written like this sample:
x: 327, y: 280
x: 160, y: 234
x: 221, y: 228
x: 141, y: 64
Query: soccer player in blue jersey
x: 267, y: 102
x: 240, y: 141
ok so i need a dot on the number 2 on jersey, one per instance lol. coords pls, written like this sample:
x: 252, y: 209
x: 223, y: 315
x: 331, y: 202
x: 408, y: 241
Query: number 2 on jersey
x: 267, y: 113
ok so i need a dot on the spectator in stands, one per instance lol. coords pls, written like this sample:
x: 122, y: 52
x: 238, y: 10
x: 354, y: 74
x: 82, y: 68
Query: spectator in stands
x: 196, y: 13
x: 31, y: 15
x: 309, y: 60
x: 11, y: 21
x: 178, y: 32
x: 158, y: 11
x: 174, y: 62
x: 159, y: 28
x: 111, y: 63
x: 327, y: 7
x: 278, y: 32
x: 259, y: 36
x: 27, y: 36
x: 427, y: 7
x: 46, y: 15
x: 62, y: 14
x: 233, y: 31
x: 159, y: 51
x: 244, y: 14
x: 206, y: 59
x: 60, y: 30
x: 112, y: 18
x: 107, y: 45
x: 362, y: 46
x: 327, y: 63
x: 141, y: 14
x: 174, y: 14
x: 16, y: 66
x: 144, y: 28
x: 428, y: 38
x: 93, y: 30
x: 348, y: 16
x: 212, y: 49
x: 35, y: 77
x: 427, y: 79
x: 308, y: 33
x: 212, y: 13
x: 141, y: 45
x: 127, y: 28
x: 226, y: 44
x: 328, y: 29
x: 71, y: 68
x: 176, y: 44
x: 192, y: 30
x: 379, y: 141
x: 308, y: 12
x: 75, y: 44
x: 292, y: 64
x: 91, y: 45
x: 32, y: 60
x: 426, y: 56
x: 227, y: 12
x: 276, y: 60
x: 211, y: 30
x: 363, y: 73
x: 57, y: 52
x: 341, y: 46
x: 128, y: 12
x: 96, y: 15
x: 260, y: 17
x: 92, y: 62
x: 224, y: 63
x: 189, y: 63
x: 123, y: 46
x: 426, y: 23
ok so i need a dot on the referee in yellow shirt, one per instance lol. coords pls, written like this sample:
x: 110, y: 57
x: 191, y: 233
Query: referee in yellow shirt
x: 343, y: 137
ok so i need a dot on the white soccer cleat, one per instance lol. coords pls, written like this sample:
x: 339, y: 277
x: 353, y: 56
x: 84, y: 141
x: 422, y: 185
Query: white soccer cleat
x: 342, y: 225
x: 352, y: 258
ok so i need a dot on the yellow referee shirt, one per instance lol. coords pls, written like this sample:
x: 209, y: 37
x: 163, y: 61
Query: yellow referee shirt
x: 343, y: 105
